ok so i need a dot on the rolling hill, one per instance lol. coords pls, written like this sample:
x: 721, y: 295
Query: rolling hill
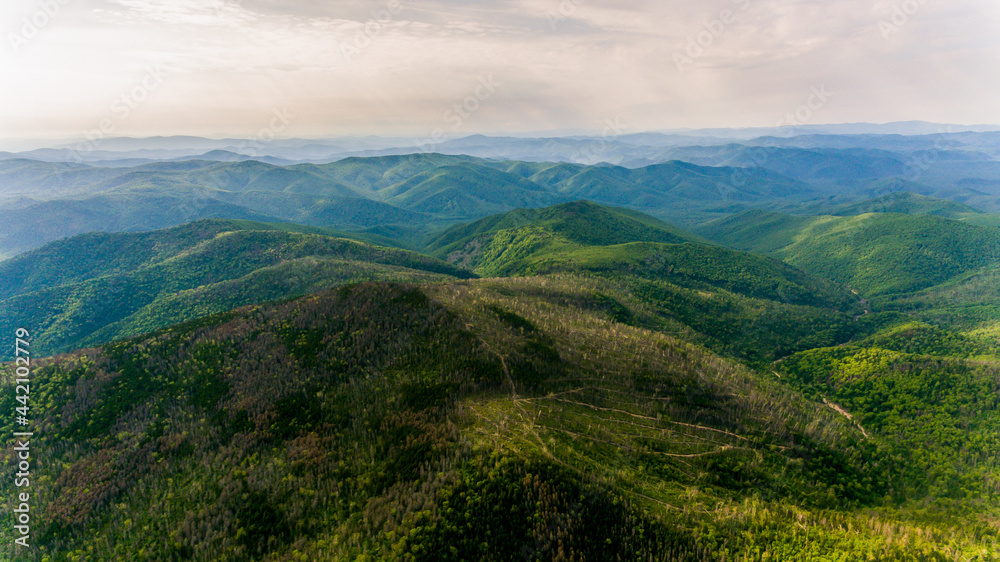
x: 729, y: 297
x: 98, y: 287
x: 840, y: 166
x: 581, y: 222
x: 475, y: 420
x: 901, y: 202
x: 616, y: 388
x: 466, y: 191
x: 877, y: 254
x: 35, y: 224
x: 417, y: 192
x: 134, y: 283
x: 584, y: 236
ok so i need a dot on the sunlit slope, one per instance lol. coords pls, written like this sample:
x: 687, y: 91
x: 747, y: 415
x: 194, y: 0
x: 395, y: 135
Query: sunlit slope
x: 471, y: 420
x: 733, y: 298
x: 930, y: 393
x: 417, y: 191
x: 876, y: 254
x: 906, y: 203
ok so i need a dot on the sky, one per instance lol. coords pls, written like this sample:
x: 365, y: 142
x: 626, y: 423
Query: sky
x: 314, y: 68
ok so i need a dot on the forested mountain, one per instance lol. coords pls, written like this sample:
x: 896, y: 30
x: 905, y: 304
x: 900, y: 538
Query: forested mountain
x: 408, y: 195
x: 133, y: 283
x: 49, y: 201
x: 735, y: 302
x: 805, y: 367
x: 903, y: 202
x: 876, y: 253
x: 98, y: 287
x: 471, y: 420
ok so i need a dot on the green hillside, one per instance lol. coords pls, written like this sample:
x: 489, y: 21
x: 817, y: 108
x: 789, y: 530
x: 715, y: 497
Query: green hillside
x: 38, y: 223
x: 250, y: 176
x: 902, y: 202
x: 731, y: 298
x: 579, y: 222
x: 927, y: 390
x: 139, y: 282
x: 98, y: 254
x: 838, y: 166
x: 466, y: 191
x: 416, y: 192
x: 370, y: 175
x: 134, y: 283
x: 576, y: 382
x: 476, y: 420
x: 970, y: 301
x: 877, y: 254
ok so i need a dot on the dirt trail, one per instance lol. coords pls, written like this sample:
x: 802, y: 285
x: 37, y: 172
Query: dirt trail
x: 837, y: 408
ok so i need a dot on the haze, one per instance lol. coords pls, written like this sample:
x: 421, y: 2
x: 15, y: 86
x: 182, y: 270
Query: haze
x: 221, y: 67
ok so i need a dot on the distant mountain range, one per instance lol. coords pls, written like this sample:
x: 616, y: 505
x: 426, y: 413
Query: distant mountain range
x: 402, y: 198
x: 48, y: 201
x: 905, y: 128
x: 616, y: 144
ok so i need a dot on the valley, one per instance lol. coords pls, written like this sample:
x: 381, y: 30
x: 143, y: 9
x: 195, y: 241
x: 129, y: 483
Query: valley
x: 455, y: 357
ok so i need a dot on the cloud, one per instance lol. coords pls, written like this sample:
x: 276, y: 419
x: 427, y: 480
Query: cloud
x: 379, y: 67
x: 208, y: 13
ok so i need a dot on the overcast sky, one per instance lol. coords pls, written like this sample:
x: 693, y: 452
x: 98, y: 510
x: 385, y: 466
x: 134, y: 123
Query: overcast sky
x: 330, y: 67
